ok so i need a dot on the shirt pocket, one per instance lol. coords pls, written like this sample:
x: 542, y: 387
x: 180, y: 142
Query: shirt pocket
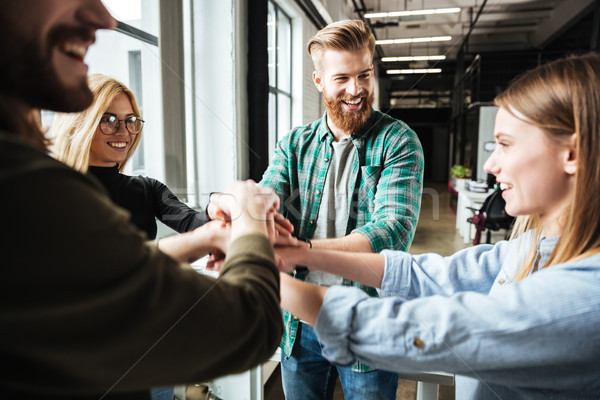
x: 368, y: 188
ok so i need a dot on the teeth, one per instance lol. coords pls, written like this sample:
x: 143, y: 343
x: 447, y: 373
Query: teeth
x: 119, y: 145
x: 355, y: 102
x: 504, y: 186
x: 75, y: 49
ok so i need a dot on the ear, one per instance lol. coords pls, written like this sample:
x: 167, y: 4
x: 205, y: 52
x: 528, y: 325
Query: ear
x: 318, y: 81
x: 570, y: 160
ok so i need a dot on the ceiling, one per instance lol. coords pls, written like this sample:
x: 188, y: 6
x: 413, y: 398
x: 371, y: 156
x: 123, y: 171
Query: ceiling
x: 481, y: 26
x: 501, y: 25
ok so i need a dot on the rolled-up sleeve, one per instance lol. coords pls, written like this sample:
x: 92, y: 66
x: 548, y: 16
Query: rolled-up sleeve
x: 397, y: 201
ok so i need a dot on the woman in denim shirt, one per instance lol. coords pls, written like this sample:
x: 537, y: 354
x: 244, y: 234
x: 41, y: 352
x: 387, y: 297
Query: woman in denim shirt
x: 515, y: 320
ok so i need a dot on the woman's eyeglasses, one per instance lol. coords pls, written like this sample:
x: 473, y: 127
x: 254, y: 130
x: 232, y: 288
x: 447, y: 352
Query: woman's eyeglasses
x: 109, y: 124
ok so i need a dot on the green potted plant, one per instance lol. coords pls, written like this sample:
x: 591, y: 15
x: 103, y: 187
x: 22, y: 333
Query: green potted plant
x: 459, y: 175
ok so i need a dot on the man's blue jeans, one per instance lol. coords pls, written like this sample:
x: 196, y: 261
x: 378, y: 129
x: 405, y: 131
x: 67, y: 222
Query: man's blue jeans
x: 307, y: 375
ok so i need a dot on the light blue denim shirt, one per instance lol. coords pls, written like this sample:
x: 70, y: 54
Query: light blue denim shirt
x: 534, y: 339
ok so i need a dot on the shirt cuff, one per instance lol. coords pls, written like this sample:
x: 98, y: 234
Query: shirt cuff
x: 334, y: 323
x: 397, y: 274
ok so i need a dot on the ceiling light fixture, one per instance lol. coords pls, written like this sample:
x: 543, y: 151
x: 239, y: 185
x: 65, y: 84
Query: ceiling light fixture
x: 414, y: 40
x: 413, y: 12
x: 414, y: 71
x: 412, y: 58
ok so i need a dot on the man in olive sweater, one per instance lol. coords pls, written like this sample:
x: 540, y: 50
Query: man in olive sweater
x: 88, y: 308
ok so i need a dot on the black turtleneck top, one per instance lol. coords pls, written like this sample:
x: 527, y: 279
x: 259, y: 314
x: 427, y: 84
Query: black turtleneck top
x: 147, y: 199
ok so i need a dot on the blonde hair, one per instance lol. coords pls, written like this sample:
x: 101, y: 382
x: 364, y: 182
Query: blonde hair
x: 73, y: 132
x: 562, y: 98
x: 348, y: 35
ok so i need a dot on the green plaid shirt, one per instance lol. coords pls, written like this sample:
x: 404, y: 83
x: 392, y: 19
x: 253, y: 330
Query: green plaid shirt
x: 386, y: 182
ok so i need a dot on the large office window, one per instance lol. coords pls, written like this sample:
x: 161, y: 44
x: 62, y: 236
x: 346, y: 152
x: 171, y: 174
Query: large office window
x: 130, y: 54
x: 280, y: 73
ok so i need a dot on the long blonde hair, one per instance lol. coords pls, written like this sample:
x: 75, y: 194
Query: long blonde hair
x: 73, y: 132
x: 562, y: 98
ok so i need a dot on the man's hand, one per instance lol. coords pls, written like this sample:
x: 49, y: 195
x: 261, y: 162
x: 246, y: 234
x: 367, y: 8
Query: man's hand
x: 288, y: 257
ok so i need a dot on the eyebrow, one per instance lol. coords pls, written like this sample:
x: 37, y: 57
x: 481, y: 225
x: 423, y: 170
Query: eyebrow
x: 361, y: 72
x: 501, y: 135
x: 116, y: 115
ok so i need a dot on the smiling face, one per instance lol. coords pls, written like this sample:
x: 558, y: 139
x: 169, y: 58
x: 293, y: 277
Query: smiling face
x: 45, y: 41
x: 109, y: 150
x: 535, y: 172
x: 346, y: 80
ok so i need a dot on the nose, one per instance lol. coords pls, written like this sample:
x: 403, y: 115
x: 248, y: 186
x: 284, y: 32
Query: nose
x: 353, y: 88
x: 94, y: 14
x: 122, y: 129
x: 491, y: 164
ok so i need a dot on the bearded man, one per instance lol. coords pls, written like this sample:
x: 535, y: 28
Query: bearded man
x: 351, y: 181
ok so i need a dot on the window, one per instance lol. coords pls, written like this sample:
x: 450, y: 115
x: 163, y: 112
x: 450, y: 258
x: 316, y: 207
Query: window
x: 279, y: 45
x: 130, y: 54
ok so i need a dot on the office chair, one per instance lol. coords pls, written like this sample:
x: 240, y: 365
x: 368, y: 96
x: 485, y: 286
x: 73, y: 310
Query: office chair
x: 491, y: 217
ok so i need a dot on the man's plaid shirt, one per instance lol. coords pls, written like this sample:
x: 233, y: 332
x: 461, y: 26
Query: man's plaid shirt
x: 386, y: 182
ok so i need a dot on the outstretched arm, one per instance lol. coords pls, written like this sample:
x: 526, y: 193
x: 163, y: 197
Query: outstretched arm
x: 190, y: 246
x: 302, y: 299
x: 366, y: 268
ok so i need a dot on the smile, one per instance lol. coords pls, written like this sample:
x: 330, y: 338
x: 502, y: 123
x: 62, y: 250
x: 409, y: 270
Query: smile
x: 353, y: 102
x: 117, y: 145
x: 505, y: 186
x: 74, y: 50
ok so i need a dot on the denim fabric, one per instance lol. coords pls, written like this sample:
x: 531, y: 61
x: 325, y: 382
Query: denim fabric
x: 537, y: 338
x: 306, y: 375
x: 162, y: 393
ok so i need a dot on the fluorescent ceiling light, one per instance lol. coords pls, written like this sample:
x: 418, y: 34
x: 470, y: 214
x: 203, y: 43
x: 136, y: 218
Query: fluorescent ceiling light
x: 414, y: 40
x: 413, y: 12
x: 412, y: 58
x: 414, y: 71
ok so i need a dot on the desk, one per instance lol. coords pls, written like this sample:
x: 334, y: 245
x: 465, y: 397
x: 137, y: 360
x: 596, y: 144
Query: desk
x: 467, y: 199
x: 249, y: 385
x: 428, y: 383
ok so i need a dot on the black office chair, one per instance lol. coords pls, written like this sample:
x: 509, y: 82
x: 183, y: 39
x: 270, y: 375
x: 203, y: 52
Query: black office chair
x: 491, y: 217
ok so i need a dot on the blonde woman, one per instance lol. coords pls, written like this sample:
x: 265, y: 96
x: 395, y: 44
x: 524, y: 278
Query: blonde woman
x: 516, y: 320
x: 101, y: 139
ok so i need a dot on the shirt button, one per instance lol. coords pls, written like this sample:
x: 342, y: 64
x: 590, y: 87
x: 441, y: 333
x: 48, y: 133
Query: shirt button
x: 418, y: 343
x: 501, y: 281
x: 318, y: 192
x: 295, y: 318
x: 310, y: 222
x: 326, y: 159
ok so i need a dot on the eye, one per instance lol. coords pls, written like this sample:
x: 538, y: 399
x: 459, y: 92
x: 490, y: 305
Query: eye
x: 364, y: 76
x: 108, y: 119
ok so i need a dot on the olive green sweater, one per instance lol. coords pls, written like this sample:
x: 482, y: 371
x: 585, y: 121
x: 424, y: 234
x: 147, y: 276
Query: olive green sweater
x: 88, y: 307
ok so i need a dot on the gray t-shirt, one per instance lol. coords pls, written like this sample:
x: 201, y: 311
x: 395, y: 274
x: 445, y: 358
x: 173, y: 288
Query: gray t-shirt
x: 332, y: 219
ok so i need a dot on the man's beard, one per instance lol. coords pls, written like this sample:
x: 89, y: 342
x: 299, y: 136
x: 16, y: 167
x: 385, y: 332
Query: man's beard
x: 28, y: 71
x: 349, y: 122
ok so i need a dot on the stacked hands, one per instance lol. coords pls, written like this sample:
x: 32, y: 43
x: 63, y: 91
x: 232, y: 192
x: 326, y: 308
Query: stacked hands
x: 247, y: 208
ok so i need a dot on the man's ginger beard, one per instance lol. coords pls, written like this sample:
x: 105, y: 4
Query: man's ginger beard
x: 349, y: 122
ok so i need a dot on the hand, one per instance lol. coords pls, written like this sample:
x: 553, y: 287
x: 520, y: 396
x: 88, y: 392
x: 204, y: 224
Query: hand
x: 289, y: 241
x: 250, y: 208
x: 283, y: 226
x: 219, y: 234
x: 215, y: 260
x: 288, y: 257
